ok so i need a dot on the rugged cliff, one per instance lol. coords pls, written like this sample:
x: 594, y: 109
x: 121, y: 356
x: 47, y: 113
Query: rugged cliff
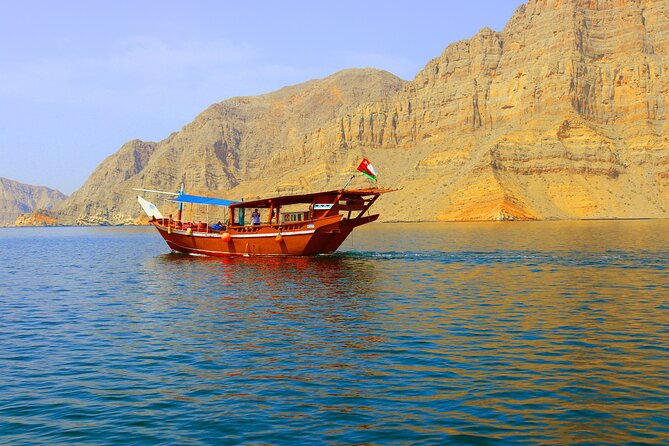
x: 561, y: 115
x: 18, y: 198
x: 236, y: 148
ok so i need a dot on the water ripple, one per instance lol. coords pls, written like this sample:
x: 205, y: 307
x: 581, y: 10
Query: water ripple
x: 550, y: 333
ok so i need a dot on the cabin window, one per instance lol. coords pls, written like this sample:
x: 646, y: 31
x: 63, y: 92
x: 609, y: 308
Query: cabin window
x: 289, y: 217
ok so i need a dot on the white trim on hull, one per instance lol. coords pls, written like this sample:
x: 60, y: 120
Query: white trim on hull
x: 210, y: 235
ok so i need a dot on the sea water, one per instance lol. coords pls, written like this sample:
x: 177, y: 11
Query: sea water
x: 507, y: 333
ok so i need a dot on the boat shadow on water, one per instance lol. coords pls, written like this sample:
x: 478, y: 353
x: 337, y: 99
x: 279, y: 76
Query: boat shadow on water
x: 320, y: 276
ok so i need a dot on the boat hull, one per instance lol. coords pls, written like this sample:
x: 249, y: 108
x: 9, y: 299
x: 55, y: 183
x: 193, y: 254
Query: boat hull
x: 305, y: 238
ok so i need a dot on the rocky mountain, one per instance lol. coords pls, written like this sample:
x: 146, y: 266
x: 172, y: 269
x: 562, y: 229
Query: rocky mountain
x: 18, y: 198
x: 235, y: 148
x: 562, y: 114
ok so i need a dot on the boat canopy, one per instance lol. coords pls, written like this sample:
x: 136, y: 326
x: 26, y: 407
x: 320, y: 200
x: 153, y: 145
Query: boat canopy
x: 185, y: 198
x: 309, y: 198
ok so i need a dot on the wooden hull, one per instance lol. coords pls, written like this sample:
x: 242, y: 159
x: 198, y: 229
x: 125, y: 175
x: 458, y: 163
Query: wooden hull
x: 302, y: 238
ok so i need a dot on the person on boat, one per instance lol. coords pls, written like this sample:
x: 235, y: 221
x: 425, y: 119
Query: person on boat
x: 256, y: 217
x: 217, y: 226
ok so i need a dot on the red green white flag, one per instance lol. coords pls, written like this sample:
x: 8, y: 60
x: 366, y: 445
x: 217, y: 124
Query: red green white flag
x: 367, y: 169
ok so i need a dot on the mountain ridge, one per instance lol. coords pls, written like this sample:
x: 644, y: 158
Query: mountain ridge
x: 560, y: 115
x: 19, y: 198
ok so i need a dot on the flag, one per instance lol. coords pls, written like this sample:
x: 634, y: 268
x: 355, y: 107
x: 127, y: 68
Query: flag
x: 367, y: 169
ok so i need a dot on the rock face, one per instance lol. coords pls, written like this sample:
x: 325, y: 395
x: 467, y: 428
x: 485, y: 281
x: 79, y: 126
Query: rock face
x: 561, y: 115
x: 18, y: 198
x: 37, y: 218
x: 239, y: 147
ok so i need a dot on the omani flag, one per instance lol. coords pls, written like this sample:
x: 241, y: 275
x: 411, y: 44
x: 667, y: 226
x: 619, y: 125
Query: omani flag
x: 367, y: 169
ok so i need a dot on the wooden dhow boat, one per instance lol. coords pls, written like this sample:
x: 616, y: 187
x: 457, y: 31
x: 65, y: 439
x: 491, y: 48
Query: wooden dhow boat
x: 290, y: 225
x: 316, y: 223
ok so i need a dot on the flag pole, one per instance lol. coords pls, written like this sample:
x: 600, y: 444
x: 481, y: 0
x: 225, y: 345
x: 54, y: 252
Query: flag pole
x: 349, y: 180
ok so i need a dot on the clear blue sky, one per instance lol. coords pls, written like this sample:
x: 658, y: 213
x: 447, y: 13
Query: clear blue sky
x: 80, y: 78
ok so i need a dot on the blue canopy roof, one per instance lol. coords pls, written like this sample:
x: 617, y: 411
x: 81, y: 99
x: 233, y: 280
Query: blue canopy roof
x: 184, y: 198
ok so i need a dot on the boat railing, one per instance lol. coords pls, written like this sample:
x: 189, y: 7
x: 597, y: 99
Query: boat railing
x: 203, y: 227
x: 278, y: 227
x: 185, y: 225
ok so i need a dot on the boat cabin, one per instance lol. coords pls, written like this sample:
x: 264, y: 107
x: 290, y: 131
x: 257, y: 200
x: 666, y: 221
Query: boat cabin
x: 314, y: 206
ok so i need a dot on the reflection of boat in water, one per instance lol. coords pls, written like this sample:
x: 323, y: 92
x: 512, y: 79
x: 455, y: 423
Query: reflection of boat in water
x: 313, y: 223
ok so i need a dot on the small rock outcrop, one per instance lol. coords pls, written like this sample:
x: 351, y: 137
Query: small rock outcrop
x: 38, y: 218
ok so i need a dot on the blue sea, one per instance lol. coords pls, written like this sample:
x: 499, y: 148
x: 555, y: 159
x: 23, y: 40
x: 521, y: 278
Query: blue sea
x: 533, y: 333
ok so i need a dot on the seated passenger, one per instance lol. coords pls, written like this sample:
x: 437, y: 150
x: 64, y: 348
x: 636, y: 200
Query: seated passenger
x: 217, y: 226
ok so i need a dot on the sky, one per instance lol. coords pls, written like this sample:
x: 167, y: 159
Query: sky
x: 78, y: 79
